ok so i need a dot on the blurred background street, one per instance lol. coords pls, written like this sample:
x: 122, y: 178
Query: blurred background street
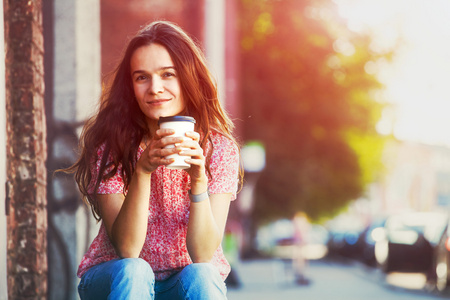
x: 401, y: 257
x: 266, y: 280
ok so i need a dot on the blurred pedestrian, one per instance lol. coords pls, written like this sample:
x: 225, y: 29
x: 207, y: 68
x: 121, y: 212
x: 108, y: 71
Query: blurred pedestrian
x: 300, y: 241
x: 161, y: 228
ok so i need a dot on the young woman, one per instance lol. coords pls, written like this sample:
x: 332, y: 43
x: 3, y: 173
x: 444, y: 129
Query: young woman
x: 161, y: 228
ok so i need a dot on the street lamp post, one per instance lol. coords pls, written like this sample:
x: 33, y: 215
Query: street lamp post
x: 254, y: 161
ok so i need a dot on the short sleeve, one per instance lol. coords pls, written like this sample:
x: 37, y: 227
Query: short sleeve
x: 224, y: 167
x: 113, y: 185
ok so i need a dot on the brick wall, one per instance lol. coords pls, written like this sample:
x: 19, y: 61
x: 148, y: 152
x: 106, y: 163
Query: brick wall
x: 26, y: 150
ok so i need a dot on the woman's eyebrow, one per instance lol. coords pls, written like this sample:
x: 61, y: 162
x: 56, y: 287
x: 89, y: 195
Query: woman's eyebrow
x: 159, y: 69
x: 167, y: 68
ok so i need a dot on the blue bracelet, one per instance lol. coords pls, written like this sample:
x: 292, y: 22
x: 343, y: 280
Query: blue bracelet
x: 198, y: 198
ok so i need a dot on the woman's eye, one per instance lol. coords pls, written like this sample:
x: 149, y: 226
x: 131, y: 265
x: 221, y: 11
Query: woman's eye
x: 168, y: 74
x: 142, y: 77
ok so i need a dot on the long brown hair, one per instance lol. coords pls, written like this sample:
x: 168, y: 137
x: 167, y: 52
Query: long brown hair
x: 120, y: 119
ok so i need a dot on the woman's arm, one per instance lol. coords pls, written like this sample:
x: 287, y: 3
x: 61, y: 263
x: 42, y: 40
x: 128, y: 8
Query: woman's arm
x: 207, y: 218
x: 206, y: 226
x: 126, y: 217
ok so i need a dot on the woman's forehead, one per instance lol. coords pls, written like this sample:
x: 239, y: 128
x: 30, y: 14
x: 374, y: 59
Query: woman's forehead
x: 152, y: 57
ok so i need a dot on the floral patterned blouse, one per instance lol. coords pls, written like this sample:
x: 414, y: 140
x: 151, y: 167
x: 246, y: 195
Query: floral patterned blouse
x: 165, y: 245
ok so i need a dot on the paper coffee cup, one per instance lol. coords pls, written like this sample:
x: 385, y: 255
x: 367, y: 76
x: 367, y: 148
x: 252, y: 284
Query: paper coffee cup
x: 180, y: 124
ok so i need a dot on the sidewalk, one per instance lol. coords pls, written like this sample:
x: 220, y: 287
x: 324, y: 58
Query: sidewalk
x: 267, y: 280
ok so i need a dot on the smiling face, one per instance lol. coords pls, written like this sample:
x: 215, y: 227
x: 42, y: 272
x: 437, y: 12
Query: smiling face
x: 155, y: 83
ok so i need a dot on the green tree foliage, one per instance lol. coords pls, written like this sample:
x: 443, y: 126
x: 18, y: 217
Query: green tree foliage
x: 309, y: 99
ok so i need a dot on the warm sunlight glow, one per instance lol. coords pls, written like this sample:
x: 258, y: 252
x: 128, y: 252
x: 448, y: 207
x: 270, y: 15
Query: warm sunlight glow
x: 417, y: 80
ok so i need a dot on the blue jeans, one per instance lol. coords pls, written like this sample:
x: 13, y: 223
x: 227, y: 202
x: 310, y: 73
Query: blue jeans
x: 133, y: 278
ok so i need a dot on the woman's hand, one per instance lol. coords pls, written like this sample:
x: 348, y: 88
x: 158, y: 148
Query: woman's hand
x: 154, y: 155
x: 192, y: 148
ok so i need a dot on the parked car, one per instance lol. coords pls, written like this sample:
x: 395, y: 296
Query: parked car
x: 344, y: 241
x: 439, y: 275
x: 409, y: 242
x: 344, y: 244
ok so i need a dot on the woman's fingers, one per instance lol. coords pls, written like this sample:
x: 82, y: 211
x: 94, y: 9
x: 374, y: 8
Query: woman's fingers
x: 194, y: 153
x: 163, y: 138
x: 163, y: 132
x: 167, y: 151
x: 193, y: 135
x: 169, y: 142
x: 164, y: 144
x: 192, y: 150
x: 156, y: 152
x: 195, y: 162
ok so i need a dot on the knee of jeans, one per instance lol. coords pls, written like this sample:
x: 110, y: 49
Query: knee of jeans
x: 135, y: 267
x: 202, y: 272
x: 203, y: 278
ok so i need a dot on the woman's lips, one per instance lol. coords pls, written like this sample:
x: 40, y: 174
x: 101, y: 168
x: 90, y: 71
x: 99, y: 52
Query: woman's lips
x: 158, y: 101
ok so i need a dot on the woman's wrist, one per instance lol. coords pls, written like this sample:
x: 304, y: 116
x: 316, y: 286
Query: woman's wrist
x: 199, y: 186
x: 142, y: 168
x: 139, y: 171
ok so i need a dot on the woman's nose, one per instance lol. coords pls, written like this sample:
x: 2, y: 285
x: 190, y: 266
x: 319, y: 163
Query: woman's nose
x: 156, y: 86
